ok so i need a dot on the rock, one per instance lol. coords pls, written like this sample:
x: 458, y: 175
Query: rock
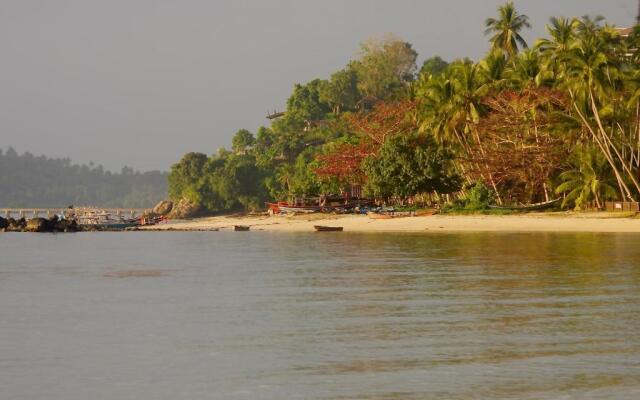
x: 66, y: 225
x: 16, y: 225
x: 184, y: 209
x: 37, y: 225
x: 3, y: 223
x: 163, y: 208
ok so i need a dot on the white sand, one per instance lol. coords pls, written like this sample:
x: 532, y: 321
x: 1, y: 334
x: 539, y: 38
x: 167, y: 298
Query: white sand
x: 548, y: 222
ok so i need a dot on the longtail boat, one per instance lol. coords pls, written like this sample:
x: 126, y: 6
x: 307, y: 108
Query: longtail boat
x: 97, y: 219
x: 241, y: 228
x: 545, y: 205
x: 284, y: 208
x: 300, y: 209
x: 320, y: 228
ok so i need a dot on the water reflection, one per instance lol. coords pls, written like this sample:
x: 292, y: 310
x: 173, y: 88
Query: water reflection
x: 272, y: 316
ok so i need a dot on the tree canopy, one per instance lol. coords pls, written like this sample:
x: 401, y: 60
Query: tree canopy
x: 521, y: 125
x: 30, y: 181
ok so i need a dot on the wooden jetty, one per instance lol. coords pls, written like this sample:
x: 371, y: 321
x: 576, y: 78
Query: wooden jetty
x: 50, y: 212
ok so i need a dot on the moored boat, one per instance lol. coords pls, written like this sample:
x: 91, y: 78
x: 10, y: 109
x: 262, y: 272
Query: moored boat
x: 101, y: 220
x: 241, y: 228
x: 320, y: 228
x: 300, y: 209
x: 545, y: 205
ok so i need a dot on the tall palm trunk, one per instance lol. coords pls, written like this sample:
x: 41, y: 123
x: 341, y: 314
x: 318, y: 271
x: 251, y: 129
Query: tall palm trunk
x: 610, y: 144
x: 624, y: 189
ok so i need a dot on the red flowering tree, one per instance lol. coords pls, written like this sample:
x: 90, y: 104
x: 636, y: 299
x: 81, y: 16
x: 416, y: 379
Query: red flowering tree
x: 373, y: 129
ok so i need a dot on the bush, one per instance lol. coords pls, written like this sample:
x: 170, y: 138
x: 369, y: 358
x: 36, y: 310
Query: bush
x: 479, y: 197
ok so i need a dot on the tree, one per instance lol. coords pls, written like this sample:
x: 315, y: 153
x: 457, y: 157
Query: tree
x: 185, y: 175
x: 434, y: 66
x: 305, y: 103
x: 343, y: 161
x: 450, y: 107
x: 506, y: 29
x: 30, y: 181
x: 594, y: 77
x: 385, y: 67
x: 242, y: 141
x: 341, y: 91
x: 408, y: 165
x: 519, y: 144
x: 591, y: 179
x: 556, y: 49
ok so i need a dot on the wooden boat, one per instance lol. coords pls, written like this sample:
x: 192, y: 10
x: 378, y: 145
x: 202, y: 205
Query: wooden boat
x: 300, y: 209
x: 529, y: 207
x: 241, y: 228
x: 320, y: 228
x: 102, y: 220
x: 379, y: 216
x: 426, y: 213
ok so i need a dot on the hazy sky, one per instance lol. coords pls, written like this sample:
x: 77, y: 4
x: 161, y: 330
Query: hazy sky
x: 141, y: 82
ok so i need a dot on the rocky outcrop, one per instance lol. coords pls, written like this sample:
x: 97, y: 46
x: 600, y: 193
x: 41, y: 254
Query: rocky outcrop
x: 184, y: 209
x: 52, y: 224
x: 163, y: 208
x: 16, y: 225
x: 37, y: 225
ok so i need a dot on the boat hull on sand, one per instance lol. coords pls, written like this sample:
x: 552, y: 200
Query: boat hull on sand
x: 320, y: 228
x: 530, y: 207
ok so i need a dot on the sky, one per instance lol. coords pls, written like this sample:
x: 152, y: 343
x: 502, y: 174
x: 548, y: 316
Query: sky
x: 141, y: 82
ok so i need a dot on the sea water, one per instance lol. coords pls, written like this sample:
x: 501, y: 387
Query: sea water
x: 257, y: 315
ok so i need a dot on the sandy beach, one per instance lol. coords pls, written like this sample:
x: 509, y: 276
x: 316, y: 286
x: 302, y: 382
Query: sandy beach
x: 545, y: 222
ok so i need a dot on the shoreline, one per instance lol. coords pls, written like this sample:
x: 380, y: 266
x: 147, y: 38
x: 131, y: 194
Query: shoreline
x: 542, y: 222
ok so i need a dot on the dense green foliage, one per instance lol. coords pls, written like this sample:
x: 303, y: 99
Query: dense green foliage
x: 407, y: 165
x: 519, y: 126
x: 479, y: 197
x: 29, y: 181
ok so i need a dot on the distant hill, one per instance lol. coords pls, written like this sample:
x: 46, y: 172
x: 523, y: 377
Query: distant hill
x: 30, y: 181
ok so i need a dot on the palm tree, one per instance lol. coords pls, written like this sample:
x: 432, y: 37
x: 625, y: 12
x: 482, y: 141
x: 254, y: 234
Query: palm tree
x: 285, y: 176
x: 562, y: 32
x: 506, y: 29
x: 555, y: 50
x: 594, y: 79
x: 494, y: 67
x: 526, y: 70
x: 590, y: 180
x: 453, y: 106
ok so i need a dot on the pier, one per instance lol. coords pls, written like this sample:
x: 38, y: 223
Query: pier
x: 50, y: 212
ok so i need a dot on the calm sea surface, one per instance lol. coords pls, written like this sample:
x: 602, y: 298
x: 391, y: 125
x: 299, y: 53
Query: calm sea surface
x: 226, y: 315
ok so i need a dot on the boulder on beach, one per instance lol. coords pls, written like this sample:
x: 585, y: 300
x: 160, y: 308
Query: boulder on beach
x: 163, y: 208
x: 185, y: 208
x: 4, y: 223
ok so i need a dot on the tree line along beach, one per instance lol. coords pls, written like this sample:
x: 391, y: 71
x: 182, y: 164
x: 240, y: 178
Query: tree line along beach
x: 553, y: 122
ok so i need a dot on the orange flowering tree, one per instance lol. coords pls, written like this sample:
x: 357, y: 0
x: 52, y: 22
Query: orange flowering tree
x: 344, y: 161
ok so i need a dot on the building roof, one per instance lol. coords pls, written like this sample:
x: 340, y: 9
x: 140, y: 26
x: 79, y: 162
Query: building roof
x: 625, y: 32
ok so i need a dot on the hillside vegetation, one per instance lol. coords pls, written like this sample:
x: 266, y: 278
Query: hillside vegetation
x: 30, y: 181
x: 529, y: 122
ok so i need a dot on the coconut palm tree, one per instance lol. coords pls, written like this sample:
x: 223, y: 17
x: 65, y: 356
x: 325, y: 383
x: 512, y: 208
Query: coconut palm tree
x: 594, y: 79
x: 562, y: 32
x: 527, y: 70
x: 590, y: 180
x: 453, y: 105
x: 555, y: 50
x: 506, y: 29
x: 285, y: 176
x: 495, y: 67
